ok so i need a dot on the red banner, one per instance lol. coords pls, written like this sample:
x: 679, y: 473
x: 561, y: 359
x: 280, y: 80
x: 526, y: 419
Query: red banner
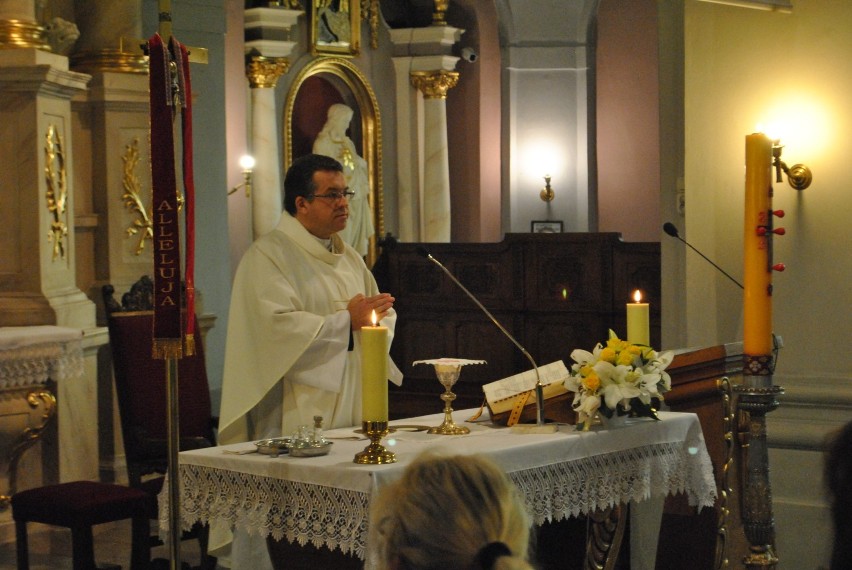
x: 169, y: 89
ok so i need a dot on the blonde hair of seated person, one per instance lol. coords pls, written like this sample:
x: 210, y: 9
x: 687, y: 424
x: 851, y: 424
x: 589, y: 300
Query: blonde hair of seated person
x: 450, y: 513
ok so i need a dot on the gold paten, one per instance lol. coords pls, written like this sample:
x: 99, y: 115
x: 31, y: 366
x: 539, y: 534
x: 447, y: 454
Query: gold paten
x: 375, y: 453
x: 22, y: 34
x: 57, y: 190
x: 263, y: 72
x: 142, y: 225
x: 349, y: 76
x: 434, y: 84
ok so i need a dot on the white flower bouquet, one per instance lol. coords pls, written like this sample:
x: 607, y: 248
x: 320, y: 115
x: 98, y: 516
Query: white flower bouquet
x: 618, y: 379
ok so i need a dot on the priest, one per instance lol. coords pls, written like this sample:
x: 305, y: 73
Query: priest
x: 299, y: 299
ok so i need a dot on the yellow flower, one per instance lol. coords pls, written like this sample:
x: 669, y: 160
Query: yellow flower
x: 592, y: 382
x: 608, y: 354
x: 617, y: 344
x: 586, y: 370
x: 633, y: 349
x: 625, y: 357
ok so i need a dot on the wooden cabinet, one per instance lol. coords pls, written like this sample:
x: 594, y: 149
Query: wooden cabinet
x: 552, y: 292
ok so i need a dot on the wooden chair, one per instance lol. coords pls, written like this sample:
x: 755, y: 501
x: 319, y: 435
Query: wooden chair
x: 141, y: 390
x: 79, y: 505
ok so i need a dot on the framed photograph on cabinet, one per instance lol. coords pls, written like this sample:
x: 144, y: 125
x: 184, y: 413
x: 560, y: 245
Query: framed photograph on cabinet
x: 335, y: 27
x: 547, y: 227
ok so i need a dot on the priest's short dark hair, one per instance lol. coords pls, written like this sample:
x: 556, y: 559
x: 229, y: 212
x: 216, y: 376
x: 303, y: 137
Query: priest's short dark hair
x: 299, y: 180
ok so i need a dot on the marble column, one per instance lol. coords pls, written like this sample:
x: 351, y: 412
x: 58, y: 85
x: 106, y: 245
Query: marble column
x: 18, y: 25
x: 266, y: 203
x: 266, y: 61
x: 110, y: 36
x: 423, y: 76
x: 435, y: 207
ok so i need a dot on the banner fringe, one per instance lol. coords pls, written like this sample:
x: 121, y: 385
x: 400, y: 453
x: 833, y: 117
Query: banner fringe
x: 164, y: 348
x: 189, y: 345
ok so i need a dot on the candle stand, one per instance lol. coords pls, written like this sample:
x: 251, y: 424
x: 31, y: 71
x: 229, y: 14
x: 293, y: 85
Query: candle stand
x: 756, y: 398
x: 375, y: 453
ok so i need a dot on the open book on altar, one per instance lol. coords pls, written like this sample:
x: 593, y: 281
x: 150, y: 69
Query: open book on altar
x: 507, y: 398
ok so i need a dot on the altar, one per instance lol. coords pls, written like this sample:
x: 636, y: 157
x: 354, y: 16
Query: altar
x: 32, y: 360
x: 325, y: 500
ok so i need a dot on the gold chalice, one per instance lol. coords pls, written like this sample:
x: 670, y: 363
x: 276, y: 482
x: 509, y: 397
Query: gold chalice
x: 448, y: 370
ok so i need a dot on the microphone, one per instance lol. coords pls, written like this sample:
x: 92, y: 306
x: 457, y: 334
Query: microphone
x: 539, y: 389
x: 670, y: 229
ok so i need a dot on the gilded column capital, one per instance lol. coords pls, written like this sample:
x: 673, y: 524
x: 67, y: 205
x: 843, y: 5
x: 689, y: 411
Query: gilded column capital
x: 434, y: 84
x: 264, y: 72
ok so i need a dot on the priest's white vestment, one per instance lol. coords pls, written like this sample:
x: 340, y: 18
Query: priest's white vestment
x: 287, y: 356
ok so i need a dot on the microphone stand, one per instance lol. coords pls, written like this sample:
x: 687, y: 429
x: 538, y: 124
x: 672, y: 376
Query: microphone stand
x: 541, y: 426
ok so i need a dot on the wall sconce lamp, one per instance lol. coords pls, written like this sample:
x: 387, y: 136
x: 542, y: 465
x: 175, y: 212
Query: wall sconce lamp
x: 799, y: 176
x: 547, y: 194
x: 247, y: 163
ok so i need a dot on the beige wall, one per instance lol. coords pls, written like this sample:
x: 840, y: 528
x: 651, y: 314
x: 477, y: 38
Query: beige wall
x: 743, y: 68
x: 628, y: 118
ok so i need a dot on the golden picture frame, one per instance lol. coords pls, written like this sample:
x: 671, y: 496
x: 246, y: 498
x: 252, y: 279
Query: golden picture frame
x: 335, y: 27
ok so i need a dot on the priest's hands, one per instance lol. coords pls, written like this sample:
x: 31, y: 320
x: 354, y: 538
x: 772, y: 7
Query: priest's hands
x: 361, y: 308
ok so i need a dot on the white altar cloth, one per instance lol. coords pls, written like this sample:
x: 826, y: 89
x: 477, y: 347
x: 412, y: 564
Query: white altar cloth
x: 325, y: 500
x: 31, y: 355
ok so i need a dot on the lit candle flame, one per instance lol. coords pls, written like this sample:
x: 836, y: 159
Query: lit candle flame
x: 637, y: 296
x: 374, y: 318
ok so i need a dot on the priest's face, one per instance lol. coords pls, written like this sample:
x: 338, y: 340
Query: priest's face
x: 324, y: 213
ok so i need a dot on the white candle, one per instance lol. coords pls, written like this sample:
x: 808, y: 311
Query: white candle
x: 638, y: 324
x: 374, y: 373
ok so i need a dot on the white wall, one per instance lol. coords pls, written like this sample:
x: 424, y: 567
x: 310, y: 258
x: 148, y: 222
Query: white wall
x: 743, y: 68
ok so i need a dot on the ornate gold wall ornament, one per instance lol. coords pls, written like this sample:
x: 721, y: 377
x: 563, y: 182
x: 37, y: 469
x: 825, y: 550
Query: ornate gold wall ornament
x: 263, y: 72
x: 434, y: 84
x: 40, y: 397
x: 57, y: 190
x: 142, y: 225
x: 22, y: 34
x: 371, y: 7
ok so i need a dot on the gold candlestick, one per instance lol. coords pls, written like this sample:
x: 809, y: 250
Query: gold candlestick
x: 375, y: 453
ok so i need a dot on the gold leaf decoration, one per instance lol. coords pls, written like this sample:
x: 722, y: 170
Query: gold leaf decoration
x: 142, y: 225
x: 57, y: 190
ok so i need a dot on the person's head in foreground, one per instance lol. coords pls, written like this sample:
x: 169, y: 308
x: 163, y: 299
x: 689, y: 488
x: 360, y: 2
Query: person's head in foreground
x: 456, y: 512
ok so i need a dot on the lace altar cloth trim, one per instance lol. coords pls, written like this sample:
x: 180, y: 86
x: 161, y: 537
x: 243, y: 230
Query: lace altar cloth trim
x: 337, y: 518
x: 23, y: 364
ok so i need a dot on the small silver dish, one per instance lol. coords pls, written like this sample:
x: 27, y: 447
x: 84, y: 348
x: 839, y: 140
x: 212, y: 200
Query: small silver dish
x: 274, y: 447
x: 301, y: 448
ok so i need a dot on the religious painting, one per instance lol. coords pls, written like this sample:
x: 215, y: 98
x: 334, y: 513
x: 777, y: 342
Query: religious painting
x: 335, y: 27
x: 547, y: 227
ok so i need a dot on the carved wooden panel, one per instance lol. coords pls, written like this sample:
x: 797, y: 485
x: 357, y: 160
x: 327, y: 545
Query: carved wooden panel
x: 552, y: 292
